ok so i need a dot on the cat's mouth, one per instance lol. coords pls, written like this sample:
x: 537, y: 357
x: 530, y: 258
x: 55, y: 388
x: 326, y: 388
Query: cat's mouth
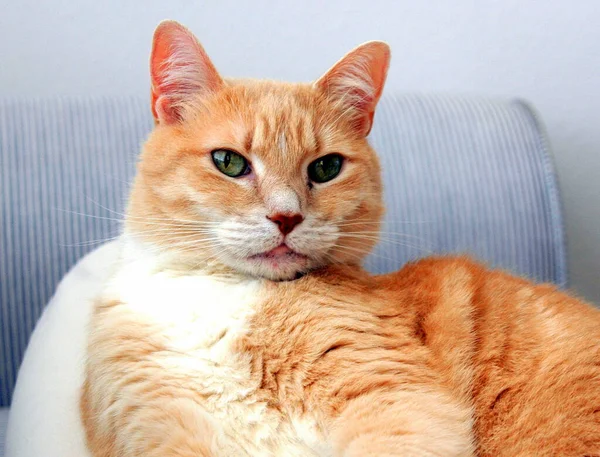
x: 282, y: 253
x: 282, y: 263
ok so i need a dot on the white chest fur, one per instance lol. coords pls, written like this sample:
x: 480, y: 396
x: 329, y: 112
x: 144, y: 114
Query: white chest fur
x: 198, y: 318
x: 194, y: 311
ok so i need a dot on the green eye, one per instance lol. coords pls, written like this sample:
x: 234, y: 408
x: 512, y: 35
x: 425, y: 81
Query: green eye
x: 230, y: 163
x: 326, y: 168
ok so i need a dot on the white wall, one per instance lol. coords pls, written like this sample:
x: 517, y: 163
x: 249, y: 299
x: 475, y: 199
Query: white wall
x: 546, y: 51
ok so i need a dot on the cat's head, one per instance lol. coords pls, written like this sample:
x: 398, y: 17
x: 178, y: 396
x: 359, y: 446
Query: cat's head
x: 266, y: 178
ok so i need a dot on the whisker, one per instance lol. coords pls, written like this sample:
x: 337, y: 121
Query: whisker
x: 383, y: 222
x: 161, y: 224
x: 90, y: 242
x: 195, y: 243
x: 380, y: 236
x: 365, y: 253
x: 150, y: 218
x: 399, y: 243
x: 343, y: 250
x: 172, y: 230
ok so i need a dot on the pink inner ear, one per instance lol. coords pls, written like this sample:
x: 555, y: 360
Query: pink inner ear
x: 180, y: 70
x: 165, y: 110
x: 161, y: 50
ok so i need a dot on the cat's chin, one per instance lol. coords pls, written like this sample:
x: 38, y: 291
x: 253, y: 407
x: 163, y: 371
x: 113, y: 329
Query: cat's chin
x: 279, y: 264
x: 278, y: 269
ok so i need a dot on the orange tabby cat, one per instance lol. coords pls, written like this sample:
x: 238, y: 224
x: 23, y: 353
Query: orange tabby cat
x: 197, y: 350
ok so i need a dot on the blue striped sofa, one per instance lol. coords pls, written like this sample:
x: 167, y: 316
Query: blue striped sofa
x: 461, y: 175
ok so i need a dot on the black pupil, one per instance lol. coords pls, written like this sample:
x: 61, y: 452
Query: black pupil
x: 329, y: 166
x: 227, y: 159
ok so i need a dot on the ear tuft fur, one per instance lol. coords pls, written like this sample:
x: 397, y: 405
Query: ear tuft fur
x: 357, y: 80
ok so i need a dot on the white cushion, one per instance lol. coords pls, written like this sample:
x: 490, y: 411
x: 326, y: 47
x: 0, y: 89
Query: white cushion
x: 44, y: 416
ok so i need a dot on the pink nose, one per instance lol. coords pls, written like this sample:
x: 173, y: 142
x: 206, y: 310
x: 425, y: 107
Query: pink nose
x: 286, y: 223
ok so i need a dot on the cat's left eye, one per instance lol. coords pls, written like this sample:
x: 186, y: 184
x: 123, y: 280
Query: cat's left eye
x: 325, y: 168
x: 230, y: 163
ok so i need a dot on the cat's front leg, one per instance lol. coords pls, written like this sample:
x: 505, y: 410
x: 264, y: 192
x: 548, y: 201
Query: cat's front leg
x: 393, y: 424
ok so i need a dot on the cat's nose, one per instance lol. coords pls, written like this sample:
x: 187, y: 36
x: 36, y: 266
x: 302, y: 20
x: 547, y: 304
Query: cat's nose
x: 286, y: 222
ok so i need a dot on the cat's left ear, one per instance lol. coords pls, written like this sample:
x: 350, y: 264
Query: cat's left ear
x: 357, y: 80
x: 180, y: 70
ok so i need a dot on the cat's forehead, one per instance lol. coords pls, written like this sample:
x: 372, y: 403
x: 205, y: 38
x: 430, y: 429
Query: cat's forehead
x: 284, y: 126
x: 277, y: 117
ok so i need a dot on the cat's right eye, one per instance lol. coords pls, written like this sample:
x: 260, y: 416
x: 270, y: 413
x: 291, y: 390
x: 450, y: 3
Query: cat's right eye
x: 230, y: 163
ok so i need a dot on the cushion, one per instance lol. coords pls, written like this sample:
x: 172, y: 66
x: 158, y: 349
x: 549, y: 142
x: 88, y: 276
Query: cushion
x: 44, y: 416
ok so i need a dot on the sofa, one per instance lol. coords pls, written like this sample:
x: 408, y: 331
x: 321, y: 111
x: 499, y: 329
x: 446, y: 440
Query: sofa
x: 461, y: 174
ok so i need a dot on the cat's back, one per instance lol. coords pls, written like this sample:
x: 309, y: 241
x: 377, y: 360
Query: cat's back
x: 527, y: 355
x: 498, y: 318
x: 459, y: 287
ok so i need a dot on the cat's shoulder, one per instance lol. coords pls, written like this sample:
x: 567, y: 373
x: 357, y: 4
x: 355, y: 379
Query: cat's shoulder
x: 452, y: 282
x: 457, y: 280
x: 434, y: 271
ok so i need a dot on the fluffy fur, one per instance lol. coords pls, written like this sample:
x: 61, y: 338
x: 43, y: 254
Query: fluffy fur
x: 194, y: 350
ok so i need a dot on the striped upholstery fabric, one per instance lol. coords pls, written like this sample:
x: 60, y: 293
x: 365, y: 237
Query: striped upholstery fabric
x: 3, y: 424
x: 471, y: 176
x: 460, y: 174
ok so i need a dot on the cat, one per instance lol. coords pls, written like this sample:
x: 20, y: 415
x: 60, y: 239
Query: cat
x: 239, y: 322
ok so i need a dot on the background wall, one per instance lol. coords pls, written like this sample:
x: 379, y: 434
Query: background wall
x: 545, y: 51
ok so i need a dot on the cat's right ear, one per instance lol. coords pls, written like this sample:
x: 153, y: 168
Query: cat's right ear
x: 180, y: 71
